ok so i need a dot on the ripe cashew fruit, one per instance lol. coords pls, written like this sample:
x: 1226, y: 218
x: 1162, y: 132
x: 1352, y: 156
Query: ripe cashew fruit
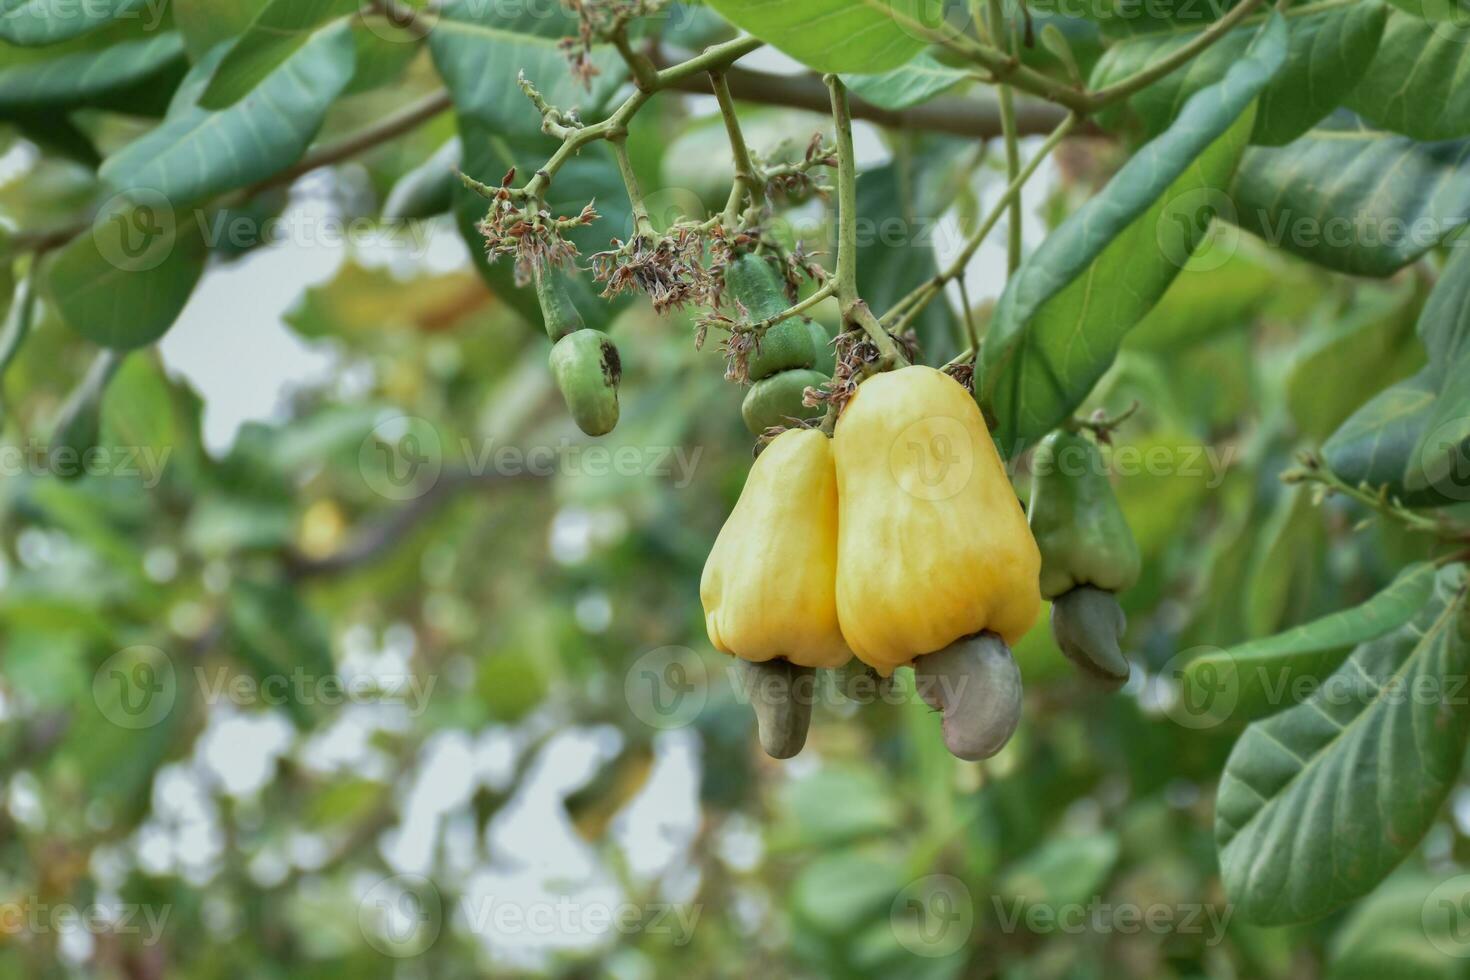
x: 1079, y: 527
x: 975, y: 683
x: 1087, y: 554
x: 933, y: 545
x: 768, y: 585
x: 558, y: 312
x: 777, y: 400
x: 587, y: 370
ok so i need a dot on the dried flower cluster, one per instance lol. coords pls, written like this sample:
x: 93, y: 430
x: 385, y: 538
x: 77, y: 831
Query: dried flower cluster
x: 529, y: 233
x: 598, y: 21
x: 671, y: 270
x: 798, y: 180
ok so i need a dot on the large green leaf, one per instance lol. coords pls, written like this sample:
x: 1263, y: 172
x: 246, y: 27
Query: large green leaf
x: 1319, y: 803
x: 1063, y: 315
x: 1410, y: 439
x: 79, y: 70
x: 207, y: 23
x: 1258, y: 678
x: 1438, y: 464
x: 282, y: 30
x: 1417, y: 84
x: 124, y: 284
x: 39, y: 22
x: 196, y: 153
x: 838, y: 35
x: 479, y: 51
x: 1385, y: 934
x: 1328, y: 52
x: 1353, y: 198
x: 918, y: 81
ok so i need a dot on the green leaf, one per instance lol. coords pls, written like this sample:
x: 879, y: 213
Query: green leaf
x: 1328, y: 51
x: 1319, y: 803
x: 1386, y: 933
x: 838, y: 35
x: 1353, y: 198
x: 918, y: 81
x: 1255, y: 679
x: 1362, y: 348
x: 1063, y: 315
x: 40, y: 22
x: 479, y: 50
x: 1374, y: 446
x: 206, y: 23
x: 891, y: 265
x: 124, y: 284
x: 840, y: 891
x: 1410, y: 439
x: 280, y: 32
x: 1063, y: 871
x: 427, y: 189
x: 74, y: 72
x: 1417, y: 83
x: 1206, y: 301
x: 276, y: 635
x: 196, y: 153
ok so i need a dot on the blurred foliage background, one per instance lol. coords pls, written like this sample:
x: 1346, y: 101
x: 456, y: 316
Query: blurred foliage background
x: 496, y: 623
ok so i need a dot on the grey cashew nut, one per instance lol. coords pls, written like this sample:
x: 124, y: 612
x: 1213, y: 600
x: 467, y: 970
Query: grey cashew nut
x: 1088, y: 623
x: 975, y: 682
x: 781, y: 694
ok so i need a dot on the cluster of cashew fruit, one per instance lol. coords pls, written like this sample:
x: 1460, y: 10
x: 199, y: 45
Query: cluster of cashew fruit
x: 899, y: 541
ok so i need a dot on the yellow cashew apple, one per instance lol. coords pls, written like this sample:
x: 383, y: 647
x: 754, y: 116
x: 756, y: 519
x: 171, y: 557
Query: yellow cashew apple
x: 933, y: 544
x: 768, y: 585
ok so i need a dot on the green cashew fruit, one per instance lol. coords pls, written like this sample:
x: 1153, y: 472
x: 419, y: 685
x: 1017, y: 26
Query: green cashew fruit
x: 557, y: 309
x: 1088, y: 623
x: 757, y: 286
x: 777, y: 400
x: 976, y: 684
x: 587, y: 370
x: 1078, y: 525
